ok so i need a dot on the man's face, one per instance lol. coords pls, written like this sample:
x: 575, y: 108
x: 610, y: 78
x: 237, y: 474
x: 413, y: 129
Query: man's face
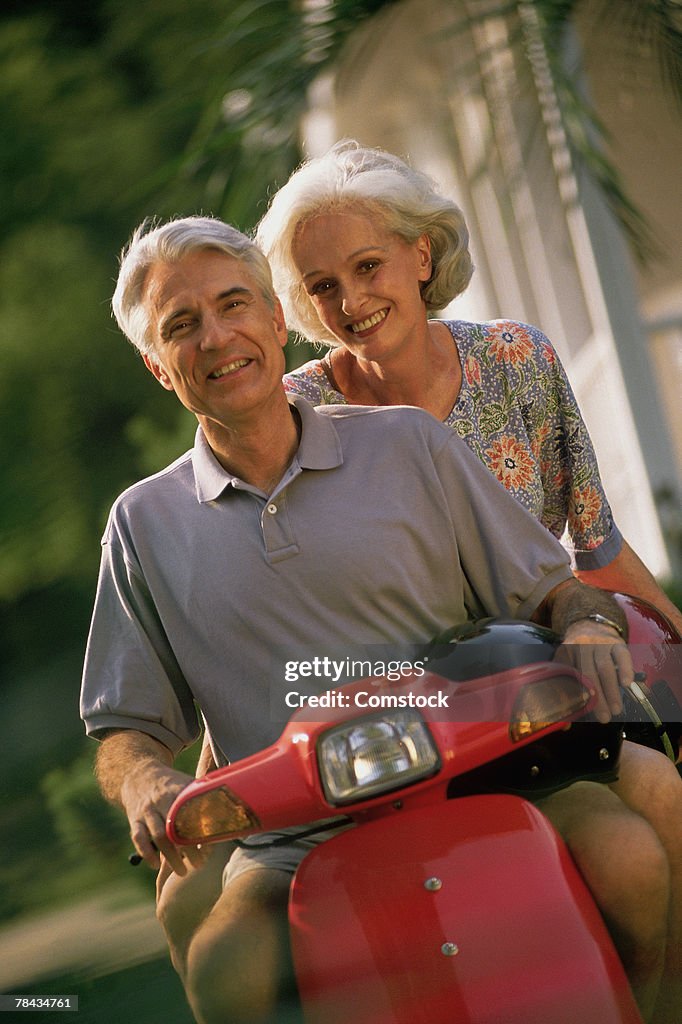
x: 217, y: 342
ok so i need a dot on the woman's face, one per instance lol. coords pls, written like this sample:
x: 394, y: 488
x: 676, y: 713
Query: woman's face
x: 364, y: 281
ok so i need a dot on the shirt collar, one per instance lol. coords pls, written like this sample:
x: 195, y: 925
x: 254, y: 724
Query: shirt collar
x: 319, y: 448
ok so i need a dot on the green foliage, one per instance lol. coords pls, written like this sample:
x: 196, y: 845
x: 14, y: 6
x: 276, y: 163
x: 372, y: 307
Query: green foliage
x: 91, y: 833
x: 247, y: 140
x: 86, y: 130
x: 64, y: 815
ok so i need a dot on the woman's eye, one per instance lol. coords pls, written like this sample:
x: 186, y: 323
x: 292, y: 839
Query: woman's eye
x: 320, y: 287
x: 367, y: 265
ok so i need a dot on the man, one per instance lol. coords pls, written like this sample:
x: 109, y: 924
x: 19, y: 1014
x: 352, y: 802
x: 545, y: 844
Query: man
x: 292, y: 528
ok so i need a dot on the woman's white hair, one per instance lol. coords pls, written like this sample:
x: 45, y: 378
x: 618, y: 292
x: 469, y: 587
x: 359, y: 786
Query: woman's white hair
x: 169, y: 243
x: 407, y: 203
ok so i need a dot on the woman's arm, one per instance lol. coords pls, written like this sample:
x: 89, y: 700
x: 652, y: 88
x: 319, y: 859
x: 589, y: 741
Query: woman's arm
x: 627, y: 573
x: 574, y: 494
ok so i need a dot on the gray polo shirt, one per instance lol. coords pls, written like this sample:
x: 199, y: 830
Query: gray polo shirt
x: 384, y: 529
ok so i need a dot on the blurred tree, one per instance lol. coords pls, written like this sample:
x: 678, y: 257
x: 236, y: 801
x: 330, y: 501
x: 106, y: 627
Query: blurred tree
x: 90, y: 116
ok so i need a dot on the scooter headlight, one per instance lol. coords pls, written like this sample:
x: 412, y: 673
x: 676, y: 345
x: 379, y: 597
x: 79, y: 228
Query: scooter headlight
x: 372, y: 755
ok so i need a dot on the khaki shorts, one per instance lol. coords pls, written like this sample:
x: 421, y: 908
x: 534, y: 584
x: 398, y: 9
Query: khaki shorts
x: 257, y: 852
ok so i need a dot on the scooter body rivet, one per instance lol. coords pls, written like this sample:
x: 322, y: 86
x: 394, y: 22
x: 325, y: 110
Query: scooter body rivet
x: 449, y: 949
x: 433, y: 884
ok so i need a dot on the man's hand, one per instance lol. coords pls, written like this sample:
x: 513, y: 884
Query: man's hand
x: 594, y: 648
x: 602, y: 655
x: 147, y: 799
x: 135, y: 771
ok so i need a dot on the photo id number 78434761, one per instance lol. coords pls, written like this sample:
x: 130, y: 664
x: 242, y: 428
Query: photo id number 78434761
x: 17, y: 1003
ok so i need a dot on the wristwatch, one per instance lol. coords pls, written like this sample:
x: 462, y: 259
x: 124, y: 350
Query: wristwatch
x: 602, y: 619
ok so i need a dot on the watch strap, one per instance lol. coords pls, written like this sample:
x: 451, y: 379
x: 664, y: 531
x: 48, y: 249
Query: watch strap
x: 605, y: 621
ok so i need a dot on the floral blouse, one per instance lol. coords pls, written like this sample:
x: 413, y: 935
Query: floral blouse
x: 517, y: 412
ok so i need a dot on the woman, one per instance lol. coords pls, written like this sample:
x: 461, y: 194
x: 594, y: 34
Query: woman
x: 362, y: 248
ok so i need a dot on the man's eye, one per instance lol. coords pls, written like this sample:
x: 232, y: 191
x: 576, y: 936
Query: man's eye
x: 367, y: 265
x: 178, y: 327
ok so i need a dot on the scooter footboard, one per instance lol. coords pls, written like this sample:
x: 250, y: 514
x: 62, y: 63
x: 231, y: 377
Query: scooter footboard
x: 472, y: 912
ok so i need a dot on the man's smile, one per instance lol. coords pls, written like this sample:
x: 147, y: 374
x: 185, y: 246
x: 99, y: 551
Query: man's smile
x: 232, y: 367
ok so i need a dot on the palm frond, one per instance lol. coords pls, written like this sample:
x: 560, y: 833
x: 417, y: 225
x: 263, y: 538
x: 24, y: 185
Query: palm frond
x: 248, y: 139
x: 547, y: 22
x: 272, y: 51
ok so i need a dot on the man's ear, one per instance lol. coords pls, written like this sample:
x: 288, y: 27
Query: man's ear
x: 157, y: 370
x: 280, y: 323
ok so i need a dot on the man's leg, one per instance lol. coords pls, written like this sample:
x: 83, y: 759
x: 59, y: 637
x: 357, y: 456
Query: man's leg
x: 238, y: 967
x: 227, y: 929
x: 650, y: 785
x: 183, y: 902
x: 626, y: 868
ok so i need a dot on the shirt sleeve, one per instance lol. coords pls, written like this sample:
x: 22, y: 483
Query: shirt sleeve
x: 310, y: 381
x: 575, y: 499
x: 510, y: 561
x: 131, y: 679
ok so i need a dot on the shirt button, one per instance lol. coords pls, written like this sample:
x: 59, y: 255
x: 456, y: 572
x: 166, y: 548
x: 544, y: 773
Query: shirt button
x: 272, y: 508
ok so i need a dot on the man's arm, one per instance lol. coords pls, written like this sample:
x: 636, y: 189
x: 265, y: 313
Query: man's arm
x: 135, y: 771
x: 595, y: 648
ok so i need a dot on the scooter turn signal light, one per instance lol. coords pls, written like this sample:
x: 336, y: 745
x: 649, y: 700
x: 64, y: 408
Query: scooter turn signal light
x: 544, y: 703
x: 216, y: 814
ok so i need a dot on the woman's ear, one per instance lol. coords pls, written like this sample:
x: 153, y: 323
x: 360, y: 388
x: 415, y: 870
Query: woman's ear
x: 423, y: 247
x: 157, y: 370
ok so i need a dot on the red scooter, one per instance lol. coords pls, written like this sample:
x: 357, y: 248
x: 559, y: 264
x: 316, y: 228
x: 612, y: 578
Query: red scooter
x: 450, y: 897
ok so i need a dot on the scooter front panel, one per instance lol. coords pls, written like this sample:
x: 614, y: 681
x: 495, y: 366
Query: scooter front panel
x: 470, y: 911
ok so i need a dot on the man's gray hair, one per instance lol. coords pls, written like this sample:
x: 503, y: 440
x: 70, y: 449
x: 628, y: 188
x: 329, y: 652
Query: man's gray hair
x: 406, y: 202
x: 169, y: 243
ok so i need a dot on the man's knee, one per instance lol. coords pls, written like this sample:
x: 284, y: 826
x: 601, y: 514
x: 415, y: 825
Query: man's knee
x: 183, y: 902
x: 239, y: 956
